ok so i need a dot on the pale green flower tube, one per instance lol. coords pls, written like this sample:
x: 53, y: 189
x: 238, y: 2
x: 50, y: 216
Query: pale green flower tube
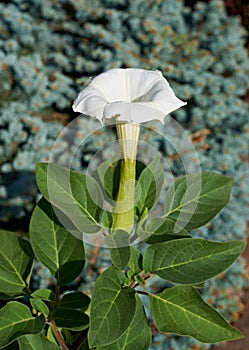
x: 123, y: 214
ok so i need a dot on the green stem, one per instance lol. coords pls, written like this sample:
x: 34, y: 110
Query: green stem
x: 123, y: 217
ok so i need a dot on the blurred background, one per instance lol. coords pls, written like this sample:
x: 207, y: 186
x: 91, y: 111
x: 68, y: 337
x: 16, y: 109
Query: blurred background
x: 48, y: 52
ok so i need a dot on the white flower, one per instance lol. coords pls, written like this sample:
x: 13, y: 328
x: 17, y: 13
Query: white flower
x: 131, y: 95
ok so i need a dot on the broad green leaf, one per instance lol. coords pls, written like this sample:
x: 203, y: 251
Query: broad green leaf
x: 141, y: 218
x: 13, y: 346
x: 193, y: 200
x: 75, y: 300
x: 61, y: 252
x: 40, y: 306
x: 135, y: 262
x: 182, y: 311
x: 36, y: 342
x: 50, y: 335
x: 43, y: 300
x: 138, y: 334
x: 107, y: 220
x: 107, y: 175
x: 191, y: 261
x: 149, y: 186
x: 16, y: 320
x: 16, y: 259
x: 160, y: 229
x: 118, y: 243
x: 120, y: 257
x: 70, y: 319
x: 44, y: 294
x: 112, y: 308
x: 77, y: 195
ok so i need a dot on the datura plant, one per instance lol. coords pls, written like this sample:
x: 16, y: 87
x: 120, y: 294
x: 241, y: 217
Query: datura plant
x: 74, y: 205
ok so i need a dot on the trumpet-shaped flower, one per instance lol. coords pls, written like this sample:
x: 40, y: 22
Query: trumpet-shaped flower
x: 131, y: 95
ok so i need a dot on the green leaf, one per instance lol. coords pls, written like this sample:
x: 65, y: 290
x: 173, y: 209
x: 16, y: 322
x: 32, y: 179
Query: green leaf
x: 112, y: 308
x: 16, y: 320
x: 13, y: 346
x: 107, y: 220
x: 43, y: 300
x: 118, y: 243
x: 135, y: 262
x: 193, y: 200
x: 50, y: 335
x: 149, y: 186
x: 120, y: 257
x: 107, y: 175
x: 44, y: 294
x: 191, y: 261
x: 61, y: 252
x: 77, y: 195
x: 138, y: 334
x: 141, y: 218
x: 36, y: 342
x: 70, y: 319
x: 16, y: 259
x: 160, y: 229
x: 75, y: 300
x: 182, y: 311
x: 40, y: 306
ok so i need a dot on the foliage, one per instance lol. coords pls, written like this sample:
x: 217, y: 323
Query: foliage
x: 114, y: 317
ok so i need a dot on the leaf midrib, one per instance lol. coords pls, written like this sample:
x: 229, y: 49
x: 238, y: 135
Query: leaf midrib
x: 14, y: 269
x: 111, y: 305
x: 73, y: 199
x: 197, y: 199
x: 26, y: 320
x: 192, y: 261
x: 187, y: 311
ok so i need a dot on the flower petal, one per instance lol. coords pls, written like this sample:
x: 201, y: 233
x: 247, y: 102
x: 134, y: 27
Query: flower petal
x: 135, y: 112
x: 90, y: 102
x: 134, y: 95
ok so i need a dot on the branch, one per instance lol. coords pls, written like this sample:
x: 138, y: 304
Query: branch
x: 59, y: 336
x: 94, y: 257
x: 143, y: 292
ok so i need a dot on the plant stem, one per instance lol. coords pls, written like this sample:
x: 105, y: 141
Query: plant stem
x: 146, y: 276
x: 57, y: 293
x: 142, y: 292
x: 133, y: 284
x: 59, y: 336
x: 123, y: 217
